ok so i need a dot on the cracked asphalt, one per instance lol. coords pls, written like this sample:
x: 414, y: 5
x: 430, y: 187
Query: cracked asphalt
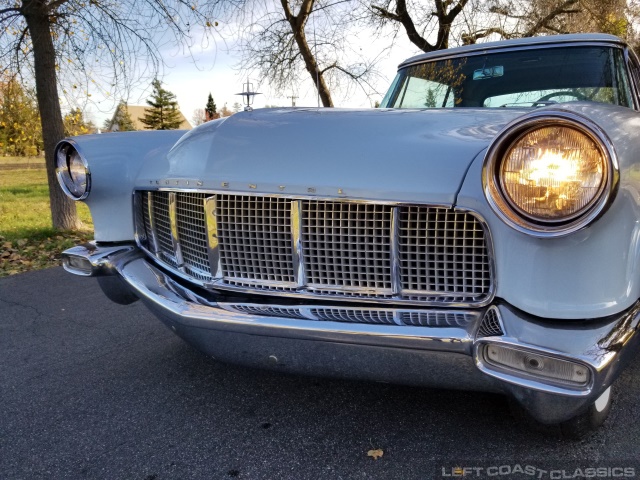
x: 91, y: 389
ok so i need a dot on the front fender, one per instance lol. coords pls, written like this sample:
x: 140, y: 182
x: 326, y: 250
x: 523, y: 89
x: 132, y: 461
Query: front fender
x: 115, y: 160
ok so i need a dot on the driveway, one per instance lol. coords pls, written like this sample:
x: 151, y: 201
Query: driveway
x: 91, y: 389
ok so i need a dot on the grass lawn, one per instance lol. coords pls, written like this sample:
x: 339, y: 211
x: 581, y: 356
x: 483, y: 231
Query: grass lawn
x: 27, y: 240
x: 18, y: 160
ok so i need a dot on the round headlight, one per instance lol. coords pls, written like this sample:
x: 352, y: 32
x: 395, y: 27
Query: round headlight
x: 550, y: 174
x: 72, y: 171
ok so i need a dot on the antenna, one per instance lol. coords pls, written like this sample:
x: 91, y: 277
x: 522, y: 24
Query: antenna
x: 248, y: 94
x: 293, y: 100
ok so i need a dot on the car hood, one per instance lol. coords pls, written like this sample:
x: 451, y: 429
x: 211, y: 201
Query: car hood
x: 407, y: 155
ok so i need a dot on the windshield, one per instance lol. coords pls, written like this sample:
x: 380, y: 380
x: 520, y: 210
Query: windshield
x: 518, y: 78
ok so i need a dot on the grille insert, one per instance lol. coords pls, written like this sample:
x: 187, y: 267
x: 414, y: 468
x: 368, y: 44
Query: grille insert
x: 491, y: 325
x: 417, y: 318
x: 320, y: 248
x: 347, y: 245
x: 255, y: 240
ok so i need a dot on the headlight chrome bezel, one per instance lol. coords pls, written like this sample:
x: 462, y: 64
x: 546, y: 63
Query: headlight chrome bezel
x: 539, y: 227
x: 63, y: 151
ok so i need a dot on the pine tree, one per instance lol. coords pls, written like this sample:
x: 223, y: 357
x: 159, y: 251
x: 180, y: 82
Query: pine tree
x: 210, y: 109
x: 430, y: 100
x: 163, y: 113
x: 121, y: 121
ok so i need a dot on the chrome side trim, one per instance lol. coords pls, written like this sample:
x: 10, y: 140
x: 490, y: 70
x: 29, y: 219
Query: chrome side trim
x: 296, y: 244
x: 212, y: 237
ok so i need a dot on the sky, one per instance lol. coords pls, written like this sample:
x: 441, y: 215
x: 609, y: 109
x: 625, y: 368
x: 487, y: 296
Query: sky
x: 191, y: 77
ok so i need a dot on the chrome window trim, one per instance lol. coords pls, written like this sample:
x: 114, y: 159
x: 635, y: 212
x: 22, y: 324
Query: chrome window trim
x: 631, y: 61
x: 308, y: 291
x: 509, y: 134
x: 503, y: 49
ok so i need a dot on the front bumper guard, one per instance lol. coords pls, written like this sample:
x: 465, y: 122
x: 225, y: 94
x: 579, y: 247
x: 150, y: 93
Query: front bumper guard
x: 443, y: 356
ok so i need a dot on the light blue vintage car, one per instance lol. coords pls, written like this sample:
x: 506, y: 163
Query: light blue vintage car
x: 479, y: 231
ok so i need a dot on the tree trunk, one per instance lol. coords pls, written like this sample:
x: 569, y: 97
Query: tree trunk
x: 297, y: 23
x: 312, y: 67
x: 63, y: 210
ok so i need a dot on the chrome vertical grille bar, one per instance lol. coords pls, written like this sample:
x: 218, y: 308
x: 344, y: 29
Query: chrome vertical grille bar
x: 151, y: 227
x: 296, y: 241
x: 173, y: 222
x: 396, y: 267
x: 213, y: 244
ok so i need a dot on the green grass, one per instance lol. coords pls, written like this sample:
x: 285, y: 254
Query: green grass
x: 27, y: 238
x: 15, y: 160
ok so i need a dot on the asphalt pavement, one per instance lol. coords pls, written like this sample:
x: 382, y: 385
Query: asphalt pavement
x: 91, y: 389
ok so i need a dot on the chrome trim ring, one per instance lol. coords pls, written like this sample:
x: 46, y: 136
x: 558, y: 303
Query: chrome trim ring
x: 62, y: 172
x: 513, y: 132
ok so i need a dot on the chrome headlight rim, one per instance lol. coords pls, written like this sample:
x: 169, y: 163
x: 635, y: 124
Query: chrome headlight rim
x: 548, y: 228
x: 63, y: 173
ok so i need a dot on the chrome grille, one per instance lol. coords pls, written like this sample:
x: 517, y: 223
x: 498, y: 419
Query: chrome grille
x: 437, y: 319
x: 160, y: 209
x: 353, y: 315
x: 254, y: 235
x: 417, y: 318
x: 192, y: 232
x: 442, y: 251
x: 347, y: 246
x: 491, y: 325
x: 320, y: 248
x: 267, y: 311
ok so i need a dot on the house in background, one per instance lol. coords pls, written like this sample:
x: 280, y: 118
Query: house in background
x: 135, y: 113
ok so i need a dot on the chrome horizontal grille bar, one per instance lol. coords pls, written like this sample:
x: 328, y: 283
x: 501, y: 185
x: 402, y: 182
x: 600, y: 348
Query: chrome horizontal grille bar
x: 310, y: 248
x: 416, y: 318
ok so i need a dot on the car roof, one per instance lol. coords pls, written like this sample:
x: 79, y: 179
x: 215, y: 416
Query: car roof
x: 578, y: 38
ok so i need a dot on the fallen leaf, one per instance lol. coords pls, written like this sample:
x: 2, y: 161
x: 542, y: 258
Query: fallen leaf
x: 376, y: 454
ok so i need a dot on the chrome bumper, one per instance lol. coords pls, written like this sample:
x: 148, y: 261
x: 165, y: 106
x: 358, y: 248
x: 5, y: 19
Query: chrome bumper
x: 443, y: 357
